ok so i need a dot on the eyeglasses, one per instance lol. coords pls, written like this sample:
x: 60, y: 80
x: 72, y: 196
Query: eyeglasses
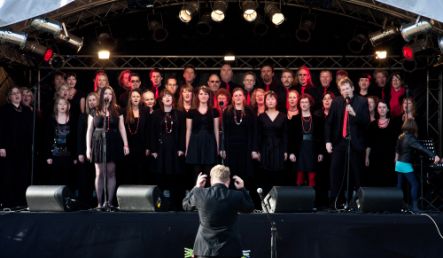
x: 214, y: 81
x: 135, y: 81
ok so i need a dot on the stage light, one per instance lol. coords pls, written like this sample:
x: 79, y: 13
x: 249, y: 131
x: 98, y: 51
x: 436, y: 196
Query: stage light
x: 249, y: 10
x: 58, y: 30
x: 13, y: 38
x: 408, y: 31
x: 159, y: 33
x: 229, y: 58
x: 21, y: 40
x: 408, y: 53
x: 274, y: 13
x: 377, y: 37
x: 307, y: 24
x: 260, y: 27
x: 381, y: 54
x: 357, y: 43
x: 440, y: 43
x: 188, y: 10
x: 104, y: 54
x: 204, y: 25
x: 218, y: 11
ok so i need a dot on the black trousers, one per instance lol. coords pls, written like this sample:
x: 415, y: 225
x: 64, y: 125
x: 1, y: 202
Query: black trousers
x: 339, y: 166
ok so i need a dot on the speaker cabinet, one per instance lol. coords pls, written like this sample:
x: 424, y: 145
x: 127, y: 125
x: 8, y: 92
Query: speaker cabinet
x: 289, y: 199
x: 379, y: 199
x: 139, y: 198
x: 47, y: 197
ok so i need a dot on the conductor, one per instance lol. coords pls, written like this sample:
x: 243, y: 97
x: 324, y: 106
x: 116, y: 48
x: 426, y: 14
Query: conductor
x: 217, y: 207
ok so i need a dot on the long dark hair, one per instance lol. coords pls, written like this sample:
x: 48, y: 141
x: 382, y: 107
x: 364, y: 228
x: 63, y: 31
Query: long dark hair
x: 113, y: 107
x: 409, y: 126
x: 129, y: 111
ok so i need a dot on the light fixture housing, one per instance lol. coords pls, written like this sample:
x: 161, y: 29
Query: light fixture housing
x: 104, y: 54
x: 357, y: 43
x: 408, y: 31
x: 159, y: 33
x: 379, y: 36
x: 58, y: 30
x: 229, y: 58
x: 274, y: 13
x: 249, y: 10
x: 219, y: 10
x: 188, y: 10
x: 21, y: 40
x: 306, y: 26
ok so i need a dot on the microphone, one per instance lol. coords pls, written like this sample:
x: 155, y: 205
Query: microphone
x: 348, y: 100
x: 221, y: 103
x: 264, y: 205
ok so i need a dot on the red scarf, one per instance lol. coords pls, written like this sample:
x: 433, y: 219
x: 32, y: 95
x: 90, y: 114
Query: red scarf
x: 394, y: 103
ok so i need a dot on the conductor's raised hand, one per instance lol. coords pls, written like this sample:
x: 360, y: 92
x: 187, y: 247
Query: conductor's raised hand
x: 201, y: 180
x: 238, y: 182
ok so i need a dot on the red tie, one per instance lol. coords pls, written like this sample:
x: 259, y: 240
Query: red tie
x: 325, y: 89
x: 303, y: 88
x: 156, y: 92
x: 345, y: 123
x: 227, y: 87
x: 248, y: 99
x: 267, y: 87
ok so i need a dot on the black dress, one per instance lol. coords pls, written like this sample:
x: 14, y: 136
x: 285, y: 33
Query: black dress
x: 167, y: 138
x: 114, y: 143
x: 202, y: 148
x: 138, y: 135
x: 271, y: 141
x: 382, y: 142
x: 16, y: 139
x: 238, y: 128
x: 61, y: 148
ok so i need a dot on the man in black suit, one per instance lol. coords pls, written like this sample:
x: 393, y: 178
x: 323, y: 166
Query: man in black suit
x: 217, y: 209
x: 348, y: 119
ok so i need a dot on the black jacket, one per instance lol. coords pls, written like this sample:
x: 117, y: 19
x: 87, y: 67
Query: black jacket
x: 406, y: 145
x: 217, y: 208
x: 358, y: 124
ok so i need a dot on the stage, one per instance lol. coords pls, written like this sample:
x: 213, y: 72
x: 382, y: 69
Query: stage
x: 163, y: 235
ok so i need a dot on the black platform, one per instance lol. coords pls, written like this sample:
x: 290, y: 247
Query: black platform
x: 311, y: 235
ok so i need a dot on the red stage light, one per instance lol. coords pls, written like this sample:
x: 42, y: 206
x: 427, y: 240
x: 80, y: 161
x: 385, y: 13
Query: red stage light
x: 408, y: 53
x: 49, y: 53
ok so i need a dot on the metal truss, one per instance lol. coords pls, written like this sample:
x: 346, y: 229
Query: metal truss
x: 434, y: 106
x: 176, y: 63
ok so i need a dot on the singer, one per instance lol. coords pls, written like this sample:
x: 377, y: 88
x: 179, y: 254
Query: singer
x: 217, y: 207
x: 106, y: 120
x: 347, y: 120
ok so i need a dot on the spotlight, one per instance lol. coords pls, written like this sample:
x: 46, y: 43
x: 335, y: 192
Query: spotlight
x: 229, y: 58
x: 357, y: 43
x: 204, y: 25
x: 303, y: 33
x: 159, y: 33
x: 105, y: 44
x: 260, y: 27
x: 408, y: 31
x: 218, y: 10
x: 381, y: 54
x: 408, y: 53
x: 188, y: 10
x: 21, y: 40
x: 58, y: 30
x: 440, y: 43
x: 415, y: 47
x: 104, y: 54
x: 249, y: 10
x: 379, y: 36
x: 274, y: 13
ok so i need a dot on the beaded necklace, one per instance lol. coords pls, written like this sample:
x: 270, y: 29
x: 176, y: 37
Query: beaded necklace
x: 168, y: 122
x: 306, y: 120
x: 236, y: 121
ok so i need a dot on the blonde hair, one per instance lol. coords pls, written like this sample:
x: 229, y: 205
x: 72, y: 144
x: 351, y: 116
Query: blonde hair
x: 221, y: 173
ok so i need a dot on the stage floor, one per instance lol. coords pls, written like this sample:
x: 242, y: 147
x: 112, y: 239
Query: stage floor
x: 163, y: 235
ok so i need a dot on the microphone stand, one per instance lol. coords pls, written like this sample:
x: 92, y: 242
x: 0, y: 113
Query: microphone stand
x: 274, y: 231
x: 104, y: 160
x: 348, y: 159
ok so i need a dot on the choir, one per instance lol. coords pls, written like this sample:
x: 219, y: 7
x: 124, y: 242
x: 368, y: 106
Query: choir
x: 270, y: 131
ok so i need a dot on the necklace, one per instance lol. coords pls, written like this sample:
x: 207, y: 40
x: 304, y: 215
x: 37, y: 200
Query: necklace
x: 168, y: 123
x: 306, y: 121
x: 383, y: 124
x: 136, y: 127
x: 238, y: 122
